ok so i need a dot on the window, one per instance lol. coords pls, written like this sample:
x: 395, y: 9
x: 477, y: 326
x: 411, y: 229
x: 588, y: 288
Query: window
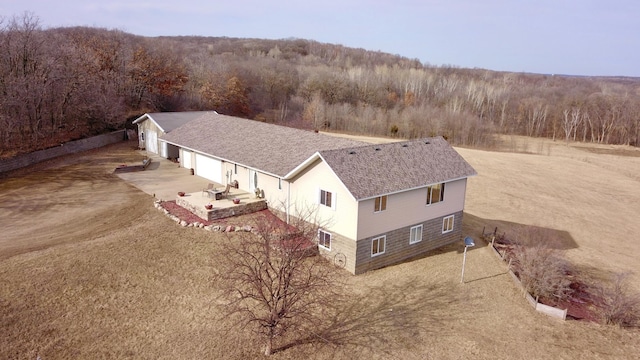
x: 142, y: 136
x: 380, y: 204
x: 235, y: 169
x: 435, y: 193
x: 447, y: 224
x: 377, y: 245
x: 324, y: 239
x: 415, y: 234
x: 279, y: 184
x: 325, y: 198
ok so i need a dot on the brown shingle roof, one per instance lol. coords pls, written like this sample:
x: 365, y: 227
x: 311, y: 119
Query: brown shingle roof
x: 266, y: 147
x: 375, y: 170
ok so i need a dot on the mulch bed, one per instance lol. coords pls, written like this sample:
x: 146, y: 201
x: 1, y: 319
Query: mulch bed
x: 580, y: 305
x: 266, y: 216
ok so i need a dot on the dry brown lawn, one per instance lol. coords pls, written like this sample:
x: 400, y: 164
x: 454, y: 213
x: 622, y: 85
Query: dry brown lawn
x: 89, y: 269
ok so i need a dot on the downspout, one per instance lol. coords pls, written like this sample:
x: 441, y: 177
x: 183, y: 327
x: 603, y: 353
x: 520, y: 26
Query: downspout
x: 288, y: 200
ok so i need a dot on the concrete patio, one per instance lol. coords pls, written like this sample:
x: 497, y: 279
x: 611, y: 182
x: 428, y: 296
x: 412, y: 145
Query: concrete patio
x: 164, y: 179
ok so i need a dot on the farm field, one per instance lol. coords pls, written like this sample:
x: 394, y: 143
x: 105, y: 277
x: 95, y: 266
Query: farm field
x: 89, y: 269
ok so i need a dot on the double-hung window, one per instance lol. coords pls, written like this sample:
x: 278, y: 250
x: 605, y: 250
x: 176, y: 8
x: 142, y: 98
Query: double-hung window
x: 324, y: 239
x: 415, y: 234
x: 435, y: 193
x: 326, y: 198
x: 447, y: 224
x: 380, y: 204
x: 378, y: 245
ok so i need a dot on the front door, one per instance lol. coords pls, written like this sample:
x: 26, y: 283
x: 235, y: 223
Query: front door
x: 253, y: 180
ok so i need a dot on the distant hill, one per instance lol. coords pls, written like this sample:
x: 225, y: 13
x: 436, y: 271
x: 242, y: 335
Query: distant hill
x: 64, y: 83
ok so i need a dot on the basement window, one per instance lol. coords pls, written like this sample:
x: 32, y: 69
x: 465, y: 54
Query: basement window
x: 447, y: 224
x: 378, y: 245
x: 324, y: 239
x: 415, y: 234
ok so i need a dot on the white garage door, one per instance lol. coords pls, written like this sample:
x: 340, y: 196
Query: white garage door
x: 209, y: 168
x: 164, y: 149
x: 186, y: 159
x: 151, y: 141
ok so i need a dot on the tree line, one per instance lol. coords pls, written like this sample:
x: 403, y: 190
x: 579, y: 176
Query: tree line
x: 63, y: 83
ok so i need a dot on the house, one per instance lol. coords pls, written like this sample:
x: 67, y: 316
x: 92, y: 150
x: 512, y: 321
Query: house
x: 381, y: 203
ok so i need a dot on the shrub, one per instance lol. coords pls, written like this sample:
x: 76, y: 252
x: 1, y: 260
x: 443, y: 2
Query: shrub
x: 543, y: 272
x: 619, y: 305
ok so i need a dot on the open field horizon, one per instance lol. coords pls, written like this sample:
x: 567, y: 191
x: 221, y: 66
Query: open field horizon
x: 89, y: 269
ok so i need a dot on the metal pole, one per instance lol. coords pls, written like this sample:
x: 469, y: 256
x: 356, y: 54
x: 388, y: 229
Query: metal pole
x: 464, y: 260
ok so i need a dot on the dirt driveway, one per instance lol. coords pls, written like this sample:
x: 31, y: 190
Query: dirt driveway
x: 67, y: 200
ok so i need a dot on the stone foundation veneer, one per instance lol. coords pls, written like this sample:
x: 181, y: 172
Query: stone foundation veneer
x: 220, y: 213
x: 357, y: 254
x: 397, y: 247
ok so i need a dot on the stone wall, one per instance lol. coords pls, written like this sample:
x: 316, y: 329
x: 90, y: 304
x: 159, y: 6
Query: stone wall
x: 221, y: 213
x: 70, y: 147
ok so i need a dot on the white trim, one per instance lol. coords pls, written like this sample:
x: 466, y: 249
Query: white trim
x: 417, y: 187
x: 444, y: 221
x: 330, y: 239
x: 375, y: 210
x: 384, y: 245
x: 430, y: 196
x: 333, y: 198
x: 411, y: 240
x: 147, y: 116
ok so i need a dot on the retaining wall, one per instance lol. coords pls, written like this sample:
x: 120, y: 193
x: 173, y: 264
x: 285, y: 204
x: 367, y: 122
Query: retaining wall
x: 70, y: 147
x: 221, y: 213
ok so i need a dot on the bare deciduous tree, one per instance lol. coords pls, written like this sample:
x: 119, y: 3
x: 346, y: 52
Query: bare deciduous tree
x: 273, y: 280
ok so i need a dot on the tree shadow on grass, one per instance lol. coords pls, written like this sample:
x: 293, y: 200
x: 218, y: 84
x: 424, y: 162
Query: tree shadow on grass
x: 387, y: 318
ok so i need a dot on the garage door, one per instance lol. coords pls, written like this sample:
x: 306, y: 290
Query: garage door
x: 186, y: 159
x: 163, y: 149
x: 151, y: 141
x: 209, y: 168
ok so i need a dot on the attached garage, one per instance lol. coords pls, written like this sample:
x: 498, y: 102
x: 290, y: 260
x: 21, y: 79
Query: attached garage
x: 209, y: 168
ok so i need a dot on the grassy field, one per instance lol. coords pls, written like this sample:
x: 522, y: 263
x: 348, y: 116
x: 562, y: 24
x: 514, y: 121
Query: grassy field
x: 89, y: 269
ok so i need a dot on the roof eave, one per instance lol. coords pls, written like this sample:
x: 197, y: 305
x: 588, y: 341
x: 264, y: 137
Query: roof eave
x: 149, y: 117
x: 222, y: 159
x: 415, y: 188
x: 302, y: 166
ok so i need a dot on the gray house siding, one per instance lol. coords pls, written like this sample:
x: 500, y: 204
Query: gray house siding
x: 397, y: 247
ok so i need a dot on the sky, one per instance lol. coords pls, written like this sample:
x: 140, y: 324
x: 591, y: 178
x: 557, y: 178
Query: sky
x: 572, y: 37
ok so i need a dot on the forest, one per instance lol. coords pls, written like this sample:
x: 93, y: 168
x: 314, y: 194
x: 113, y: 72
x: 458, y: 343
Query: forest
x: 61, y: 84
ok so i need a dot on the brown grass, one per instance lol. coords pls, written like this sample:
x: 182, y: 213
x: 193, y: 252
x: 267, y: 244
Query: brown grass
x: 90, y: 269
